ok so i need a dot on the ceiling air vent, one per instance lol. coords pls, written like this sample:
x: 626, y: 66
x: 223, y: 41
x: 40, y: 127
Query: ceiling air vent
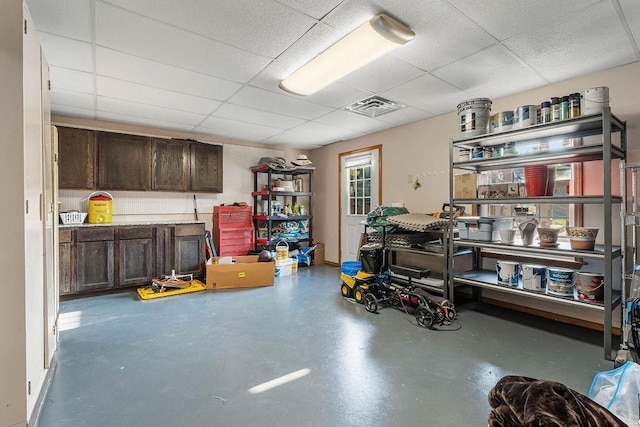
x: 374, y: 106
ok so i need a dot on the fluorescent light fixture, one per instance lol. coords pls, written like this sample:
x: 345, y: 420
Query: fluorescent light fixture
x: 369, y: 41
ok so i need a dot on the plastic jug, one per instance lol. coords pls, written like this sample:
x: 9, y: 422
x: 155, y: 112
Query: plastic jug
x: 527, y: 231
x: 99, y: 207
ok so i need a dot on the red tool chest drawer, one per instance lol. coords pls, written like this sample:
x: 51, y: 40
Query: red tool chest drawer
x: 233, y: 232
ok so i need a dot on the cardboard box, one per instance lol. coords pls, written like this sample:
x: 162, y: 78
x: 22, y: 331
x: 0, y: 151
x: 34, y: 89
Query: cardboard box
x: 466, y: 186
x: 318, y: 254
x: 246, y: 272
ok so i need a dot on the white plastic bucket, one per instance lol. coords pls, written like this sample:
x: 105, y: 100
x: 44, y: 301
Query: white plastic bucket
x: 560, y: 281
x: 534, y: 277
x: 473, y: 117
x: 282, y: 250
x: 525, y: 115
x: 508, y: 272
x: 594, y: 100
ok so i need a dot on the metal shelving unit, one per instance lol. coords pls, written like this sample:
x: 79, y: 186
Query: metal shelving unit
x: 604, y: 124
x: 270, y: 220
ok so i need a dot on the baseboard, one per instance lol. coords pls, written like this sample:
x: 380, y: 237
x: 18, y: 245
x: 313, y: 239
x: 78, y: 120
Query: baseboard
x: 34, y: 420
x: 550, y: 315
x: 331, y: 263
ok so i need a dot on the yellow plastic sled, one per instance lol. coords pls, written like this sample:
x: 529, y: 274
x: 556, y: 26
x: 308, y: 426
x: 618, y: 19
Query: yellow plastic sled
x: 171, y: 285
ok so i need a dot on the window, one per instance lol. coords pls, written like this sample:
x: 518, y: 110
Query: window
x: 359, y: 189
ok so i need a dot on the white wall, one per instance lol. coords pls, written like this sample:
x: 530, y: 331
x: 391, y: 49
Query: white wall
x: 422, y: 148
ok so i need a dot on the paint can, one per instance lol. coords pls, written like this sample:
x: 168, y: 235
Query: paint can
x: 503, y: 121
x: 590, y: 286
x: 560, y: 281
x: 473, y: 117
x: 594, y: 100
x: 524, y: 116
x: 508, y: 272
x: 534, y: 277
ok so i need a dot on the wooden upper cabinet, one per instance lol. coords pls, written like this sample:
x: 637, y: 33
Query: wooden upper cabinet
x: 206, y: 167
x: 123, y: 162
x: 76, y: 158
x: 170, y: 165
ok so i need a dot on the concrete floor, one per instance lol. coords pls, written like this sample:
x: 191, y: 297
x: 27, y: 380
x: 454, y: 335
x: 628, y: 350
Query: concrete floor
x: 193, y: 360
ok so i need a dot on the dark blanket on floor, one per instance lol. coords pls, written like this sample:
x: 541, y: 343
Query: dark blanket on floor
x: 522, y: 401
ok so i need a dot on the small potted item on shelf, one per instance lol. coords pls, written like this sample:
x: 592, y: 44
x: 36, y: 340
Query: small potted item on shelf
x: 582, y: 238
x: 548, y: 236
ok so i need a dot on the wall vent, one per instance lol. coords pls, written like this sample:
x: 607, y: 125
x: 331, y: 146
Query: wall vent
x: 374, y: 106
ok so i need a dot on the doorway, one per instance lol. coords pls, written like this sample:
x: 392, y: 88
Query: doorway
x: 360, y: 192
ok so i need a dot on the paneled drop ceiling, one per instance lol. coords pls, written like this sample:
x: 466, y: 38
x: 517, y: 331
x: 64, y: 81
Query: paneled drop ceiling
x: 212, y: 67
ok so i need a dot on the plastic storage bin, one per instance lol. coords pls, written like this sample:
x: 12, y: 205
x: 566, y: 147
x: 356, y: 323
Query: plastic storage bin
x: 483, y: 228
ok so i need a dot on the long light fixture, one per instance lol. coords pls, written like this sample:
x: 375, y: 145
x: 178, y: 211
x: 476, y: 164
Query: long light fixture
x: 369, y: 41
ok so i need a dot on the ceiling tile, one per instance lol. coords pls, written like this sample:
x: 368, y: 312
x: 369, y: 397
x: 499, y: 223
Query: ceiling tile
x: 77, y: 81
x: 506, y: 18
x: 382, y: 74
x: 264, y: 27
x: 237, y: 129
x: 144, y: 111
x: 603, y: 44
x: 352, y: 121
x: 427, y: 93
x: 314, y: 133
x: 125, y: 118
x: 282, y: 104
x: 138, y: 70
x: 337, y: 95
x: 404, y: 116
x: 128, y: 91
x: 145, y: 38
x: 67, y: 53
x: 314, y: 8
x: 491, y: 73
x: 70, y: 18
x: 73, y: 99
x: 631, y: 10
x: 251, y: 115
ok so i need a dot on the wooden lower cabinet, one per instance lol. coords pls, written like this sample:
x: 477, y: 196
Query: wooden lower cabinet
x: 108, y: 257
x: 136, y: 252
x: 65, y: 244
x: 189, y: 249
x: 94, y: 260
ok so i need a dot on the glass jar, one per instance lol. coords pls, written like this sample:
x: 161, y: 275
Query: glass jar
x: 574, y: 105
x: 564, y: 108
x: 555, y: 109
x: 545, y: 112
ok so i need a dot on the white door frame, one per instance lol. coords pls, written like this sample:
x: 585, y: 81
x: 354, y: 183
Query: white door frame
x: 341, y: 188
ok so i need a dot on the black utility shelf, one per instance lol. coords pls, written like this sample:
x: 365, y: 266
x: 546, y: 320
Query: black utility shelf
x: 603, y: 124
x: 260, y: 220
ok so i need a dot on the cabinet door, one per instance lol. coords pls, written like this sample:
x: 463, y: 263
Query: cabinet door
x: 189, y: 249
x: 206, y: 167
x: 124, y: 162
x: 76, y: 158
x: 66, y: 283
x: 165, y: 253
x: 94, y: 259
x: 170, y: 168
x: 136, y: 250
